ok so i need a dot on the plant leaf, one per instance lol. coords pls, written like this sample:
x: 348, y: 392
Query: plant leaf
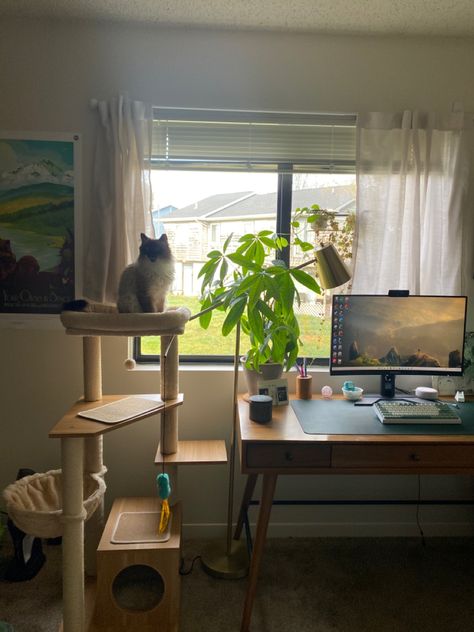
x: 227, y: 242
x: 256, y: 324
x: 270, y: 243
x: 233, y: 316
x: 243, y: 261
x: 205, y: 319
x: 209, y: 265
x: 224, y: 269
x: 306, y: 279
x: 214, y: 254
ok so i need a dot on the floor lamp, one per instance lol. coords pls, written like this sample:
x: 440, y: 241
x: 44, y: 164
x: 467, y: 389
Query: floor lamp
x: 229, y: 559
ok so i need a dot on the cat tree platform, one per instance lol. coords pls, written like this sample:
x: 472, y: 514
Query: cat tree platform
x: 104, y: 320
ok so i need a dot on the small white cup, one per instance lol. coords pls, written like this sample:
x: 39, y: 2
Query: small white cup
x: 354, y: 394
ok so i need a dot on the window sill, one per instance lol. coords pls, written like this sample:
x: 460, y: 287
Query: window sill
x: 214, y: 368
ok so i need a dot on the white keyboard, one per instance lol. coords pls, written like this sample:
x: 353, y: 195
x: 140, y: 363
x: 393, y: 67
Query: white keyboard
x: 406, y: 412
x: 123, y: 409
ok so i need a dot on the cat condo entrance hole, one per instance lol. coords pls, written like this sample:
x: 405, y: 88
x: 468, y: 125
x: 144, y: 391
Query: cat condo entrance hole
x: 138, y: 588
x: 34, y: 503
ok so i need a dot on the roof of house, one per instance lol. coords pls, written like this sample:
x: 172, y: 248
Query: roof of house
x: 247, y: 204
x: 207, y: 205
x: 331, y: 198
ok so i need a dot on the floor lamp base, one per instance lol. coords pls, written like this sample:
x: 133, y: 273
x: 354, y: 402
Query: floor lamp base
x: 218, y: 562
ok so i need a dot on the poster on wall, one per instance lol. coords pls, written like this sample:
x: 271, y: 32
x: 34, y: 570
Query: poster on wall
x: 39, y: 192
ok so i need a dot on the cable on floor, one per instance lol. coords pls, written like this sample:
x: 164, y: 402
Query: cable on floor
x: 190, y: 569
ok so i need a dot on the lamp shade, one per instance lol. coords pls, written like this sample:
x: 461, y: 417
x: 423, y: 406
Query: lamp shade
x: 331, y: 269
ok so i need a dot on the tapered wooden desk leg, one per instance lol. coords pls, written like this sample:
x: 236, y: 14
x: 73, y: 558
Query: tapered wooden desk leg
x: 246, y: 498
x: 268, y: 489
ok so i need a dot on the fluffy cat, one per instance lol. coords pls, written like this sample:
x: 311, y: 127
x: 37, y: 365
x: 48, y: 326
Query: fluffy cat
x: 144, y: 284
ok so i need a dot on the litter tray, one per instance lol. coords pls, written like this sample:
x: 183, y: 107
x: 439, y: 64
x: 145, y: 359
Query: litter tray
x: 34, y: 503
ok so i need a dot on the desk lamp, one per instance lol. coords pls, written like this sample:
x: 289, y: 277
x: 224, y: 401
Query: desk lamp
x: 229, y: 559
x: 330, y: 268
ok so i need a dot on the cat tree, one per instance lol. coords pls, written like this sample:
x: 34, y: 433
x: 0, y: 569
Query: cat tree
x: 82, y: 442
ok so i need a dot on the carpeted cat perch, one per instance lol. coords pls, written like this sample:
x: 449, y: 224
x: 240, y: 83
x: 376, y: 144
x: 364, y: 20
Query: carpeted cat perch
x: 79, y: 486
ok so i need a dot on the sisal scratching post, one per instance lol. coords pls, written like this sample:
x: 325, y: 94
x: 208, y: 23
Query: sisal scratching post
x: 73, y: 534
x: 169, y: 386
x: 92, y: 368
x: 93, y: 463
x: 93, y: 446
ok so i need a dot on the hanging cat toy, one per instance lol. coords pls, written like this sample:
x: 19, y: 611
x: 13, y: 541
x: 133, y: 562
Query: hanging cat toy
x: 164, y: 491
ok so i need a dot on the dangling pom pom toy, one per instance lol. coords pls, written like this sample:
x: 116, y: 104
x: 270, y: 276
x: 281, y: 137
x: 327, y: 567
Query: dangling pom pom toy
x: 164, y: 491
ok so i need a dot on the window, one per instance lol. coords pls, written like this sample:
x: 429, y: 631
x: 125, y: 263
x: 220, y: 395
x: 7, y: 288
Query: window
x: 218, y: 173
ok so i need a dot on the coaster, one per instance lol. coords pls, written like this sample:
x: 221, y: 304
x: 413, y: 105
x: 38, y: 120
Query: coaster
x: 139, y: 527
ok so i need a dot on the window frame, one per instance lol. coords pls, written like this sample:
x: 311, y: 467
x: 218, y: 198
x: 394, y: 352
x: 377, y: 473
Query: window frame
x: 285, y: 171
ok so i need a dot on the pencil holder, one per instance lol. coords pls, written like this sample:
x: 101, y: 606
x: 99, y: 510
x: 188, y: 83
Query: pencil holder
x: 304, y: 387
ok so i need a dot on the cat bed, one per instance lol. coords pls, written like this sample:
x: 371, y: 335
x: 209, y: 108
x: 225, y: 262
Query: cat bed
x: 96, y: 319
x: 34, y: 503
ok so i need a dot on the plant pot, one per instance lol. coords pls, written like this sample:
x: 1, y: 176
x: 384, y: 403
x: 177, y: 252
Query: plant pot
x: 269, y: 371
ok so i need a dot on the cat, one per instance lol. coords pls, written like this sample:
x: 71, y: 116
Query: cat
x: 144, y: 284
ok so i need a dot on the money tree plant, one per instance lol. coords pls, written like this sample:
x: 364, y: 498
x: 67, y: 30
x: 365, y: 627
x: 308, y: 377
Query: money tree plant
x: 255, y: 288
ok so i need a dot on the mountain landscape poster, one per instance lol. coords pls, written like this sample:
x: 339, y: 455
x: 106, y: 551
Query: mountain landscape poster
x: 38, y: 194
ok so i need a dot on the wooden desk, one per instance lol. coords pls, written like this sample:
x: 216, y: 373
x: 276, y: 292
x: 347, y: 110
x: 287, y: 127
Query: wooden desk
x: 281, y: 447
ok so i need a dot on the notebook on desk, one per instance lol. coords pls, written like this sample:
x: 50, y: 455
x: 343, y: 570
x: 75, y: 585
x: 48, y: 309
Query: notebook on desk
x: 122, y: 410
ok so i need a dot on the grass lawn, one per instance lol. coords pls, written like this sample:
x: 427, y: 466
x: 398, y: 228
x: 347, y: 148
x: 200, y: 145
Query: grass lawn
x: 315, y: 335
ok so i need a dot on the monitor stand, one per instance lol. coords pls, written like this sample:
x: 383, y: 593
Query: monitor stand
x: 387, y: 391
x: 387, y: 385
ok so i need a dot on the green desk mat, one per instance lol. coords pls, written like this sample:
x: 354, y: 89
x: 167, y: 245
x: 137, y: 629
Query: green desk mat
x: 342, y: 417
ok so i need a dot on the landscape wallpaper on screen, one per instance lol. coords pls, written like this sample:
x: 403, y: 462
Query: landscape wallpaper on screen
x: 36, y: 225
x: 402, y: 332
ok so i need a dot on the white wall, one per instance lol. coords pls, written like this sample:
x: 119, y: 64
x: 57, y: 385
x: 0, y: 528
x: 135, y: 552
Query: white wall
x: 49, y: 71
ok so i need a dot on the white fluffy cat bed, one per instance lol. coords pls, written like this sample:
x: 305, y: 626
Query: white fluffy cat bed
x: 34, y: 503
x: 97, y: 319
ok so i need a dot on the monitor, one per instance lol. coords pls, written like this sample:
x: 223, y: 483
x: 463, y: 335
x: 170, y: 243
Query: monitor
x: 397, y: 335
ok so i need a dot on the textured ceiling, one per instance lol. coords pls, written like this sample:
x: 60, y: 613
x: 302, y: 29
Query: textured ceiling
x: 410, y: 17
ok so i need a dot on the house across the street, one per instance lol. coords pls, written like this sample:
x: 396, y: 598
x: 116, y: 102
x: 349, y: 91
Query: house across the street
x: 202, y: 226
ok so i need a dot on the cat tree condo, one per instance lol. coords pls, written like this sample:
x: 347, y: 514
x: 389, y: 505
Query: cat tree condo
x: 81, y: 455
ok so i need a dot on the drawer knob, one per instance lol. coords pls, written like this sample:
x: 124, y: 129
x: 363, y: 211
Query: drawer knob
x: 414, y: 457
x: 288, y: 456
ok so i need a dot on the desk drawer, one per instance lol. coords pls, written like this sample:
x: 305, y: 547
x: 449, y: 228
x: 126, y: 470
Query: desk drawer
x: 278, y: 455
x: 403, y: 456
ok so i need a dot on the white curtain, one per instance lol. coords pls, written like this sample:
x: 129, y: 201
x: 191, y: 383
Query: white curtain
x: 121, y: 194
x: 412, y: 176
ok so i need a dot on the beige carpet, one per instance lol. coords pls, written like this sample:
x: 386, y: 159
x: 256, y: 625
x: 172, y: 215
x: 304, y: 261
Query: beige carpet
x: 306, y: 585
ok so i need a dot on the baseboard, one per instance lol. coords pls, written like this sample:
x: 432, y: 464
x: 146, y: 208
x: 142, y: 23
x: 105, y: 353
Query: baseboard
x: 341, y: 530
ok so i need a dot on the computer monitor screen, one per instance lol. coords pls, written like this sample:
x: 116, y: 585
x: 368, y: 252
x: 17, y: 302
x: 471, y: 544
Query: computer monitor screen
x: 377, y: 334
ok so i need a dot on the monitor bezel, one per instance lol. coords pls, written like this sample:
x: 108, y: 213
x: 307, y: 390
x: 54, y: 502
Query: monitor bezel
x: 405, y: 371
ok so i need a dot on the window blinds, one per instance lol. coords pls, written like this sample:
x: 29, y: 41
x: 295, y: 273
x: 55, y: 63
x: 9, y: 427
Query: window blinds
x: 253, y: 141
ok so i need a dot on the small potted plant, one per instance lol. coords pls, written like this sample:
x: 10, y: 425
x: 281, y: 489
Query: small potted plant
x: 328, y: 227
x: 259, y: 291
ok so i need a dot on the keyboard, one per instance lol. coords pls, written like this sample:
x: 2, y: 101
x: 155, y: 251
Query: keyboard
x: 406, y: 412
